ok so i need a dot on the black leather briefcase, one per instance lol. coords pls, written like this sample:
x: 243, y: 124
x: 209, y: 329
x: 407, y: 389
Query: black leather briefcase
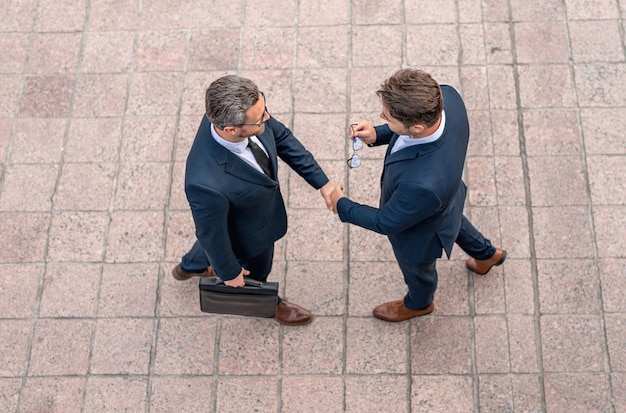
x: 255, y: 299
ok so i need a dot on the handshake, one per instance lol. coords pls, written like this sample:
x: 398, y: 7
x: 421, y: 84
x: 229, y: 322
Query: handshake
x: 332, y: 193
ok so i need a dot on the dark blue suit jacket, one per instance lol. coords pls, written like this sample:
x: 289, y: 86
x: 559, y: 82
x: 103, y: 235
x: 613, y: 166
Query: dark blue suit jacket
x: 238, y: 211
x: 422, y: 194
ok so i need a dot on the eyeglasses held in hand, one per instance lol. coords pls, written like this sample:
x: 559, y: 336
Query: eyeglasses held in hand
x: 357, y: 144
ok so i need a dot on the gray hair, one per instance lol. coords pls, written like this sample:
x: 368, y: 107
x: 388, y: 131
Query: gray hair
x: 228, y: 99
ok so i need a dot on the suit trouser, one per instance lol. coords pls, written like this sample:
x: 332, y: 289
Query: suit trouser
x: 260, y: 266
x: 421, y: 277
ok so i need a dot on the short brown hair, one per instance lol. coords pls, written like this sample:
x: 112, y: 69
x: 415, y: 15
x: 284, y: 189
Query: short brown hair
x: 413, y: 97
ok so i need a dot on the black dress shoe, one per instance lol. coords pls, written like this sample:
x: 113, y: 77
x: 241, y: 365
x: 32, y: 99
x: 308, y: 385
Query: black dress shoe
x: 482, y: 267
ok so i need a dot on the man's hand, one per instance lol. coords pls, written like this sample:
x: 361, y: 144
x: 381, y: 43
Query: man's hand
x: 238, y: 280
x: 326, y: 190
x: 335, y: 196
x: 364, y: 130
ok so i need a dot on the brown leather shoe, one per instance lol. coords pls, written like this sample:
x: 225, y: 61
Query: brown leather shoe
x: 397, y: 311
x: 482, y: 267
x: 181, y: 275
x: 292, y: 314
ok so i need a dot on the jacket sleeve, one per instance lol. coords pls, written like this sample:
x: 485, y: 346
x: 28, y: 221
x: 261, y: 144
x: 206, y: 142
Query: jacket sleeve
x: 210, y: 214
x: 294, y: 154
x: 409, y: 205
x: 383, y: 135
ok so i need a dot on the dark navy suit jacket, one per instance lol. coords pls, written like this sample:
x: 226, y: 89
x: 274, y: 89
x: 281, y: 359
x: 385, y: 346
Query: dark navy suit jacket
x: 422, y: 194
x: 238, y: 211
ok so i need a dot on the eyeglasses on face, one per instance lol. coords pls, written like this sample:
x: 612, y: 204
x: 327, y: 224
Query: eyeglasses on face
x: 357, y: 144
x: 264, y: 117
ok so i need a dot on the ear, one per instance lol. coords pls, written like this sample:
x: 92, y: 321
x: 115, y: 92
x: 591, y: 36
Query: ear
x: 416, y: 130
x: 231, y: 130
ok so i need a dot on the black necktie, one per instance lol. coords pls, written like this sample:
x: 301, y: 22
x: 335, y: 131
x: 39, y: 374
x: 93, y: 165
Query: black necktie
x: 261, y: 157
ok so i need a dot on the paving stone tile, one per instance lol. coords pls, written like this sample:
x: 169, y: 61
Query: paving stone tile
x: 302, y: 195
x: 10, y: 394
x: 323, y: 13
x: 28, y: 187
x: 439, y: 393
x: 240, y: 333
x: 320, y: 343
x: 99, y: 95
x: 139, y: 186
x: 367, y: 41
x: 487, y: 220
x: 480, y: 179
x: 244, y: 394
x: 183, y: 348
x: 318, y: 288
x: 375, y: 347
x: 481, y: 139
x: 54, y: 53
x: 616, y: 340
x: 308, y: 128
x: 568, y: 286
x: 510, y: 187
x: 161, y: 50
x: 268, y: 48
x: 148, y: 138
x: 601, y: 84
x: 369, y: 12
x: 470, y: 11
x: 596, y: 41
x: 181, y: 234
x: 506, y: 130
x: 618, y: 385
x: 452, y: 295
x: 546, y: 86
x: 577, y: 392
x: 610, y: 226
x: 552, y: 36
x: 60, y: 347
x: 154, y: 93
x: 85, y: 187
x: 70, y: 290
x: 77, y: 236
x: 551, y: 133
x: 557, y: 181
x: 440, y: 345
x: 109, y: 15
x: 364, y: 82
x: 122, y: 346
x: 47, y: 96
x: 473, y: 43
x: 441, y: 12
x: 379, y: 393
x: 489, y: 292
x: 612, y: 273
x: 372, y: 284
x: 323, y: 47
x: 495, y: 10
x: 178, y: 298
x: 475, y: 87
x: 205, y: 49
x: 53, y: 394
x: 277, y: 85
x: 538, y: 10
x: 19, y: 285
x: 606, y: 173
x: 169, y: 14
x: 93, y: 139
x: 105, y: 52
x: 562, y: 232
x: 518, y: 286
x: 522, y: 343
x: 19, y: 16
x: 115, y: 393
x: 584, y: 10
x: 314, y: 225
x: 61, y: 15
x: 602, y: 138
x: 15, y: 335
x: 428, y: 51
x: 9, y: 94
x: 495, y: 393
x: 571, y: 343
x: 23, y: 236
x: 14, y: 49
x: 502, y: 94
x: 135, y: 236
x: 128, y: 290
x: 189, y: 394
x: 177, y: 197
x: 319, y: 90
x: 5, y: 137
x: 38, y: 141
x: 492, y: 350
x: 302, y: 394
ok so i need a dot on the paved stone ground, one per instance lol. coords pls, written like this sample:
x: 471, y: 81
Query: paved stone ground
x: 99, y: 103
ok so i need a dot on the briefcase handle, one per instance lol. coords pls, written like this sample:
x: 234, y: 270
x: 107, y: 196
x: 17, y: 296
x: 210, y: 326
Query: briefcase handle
x: 249, y: 281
